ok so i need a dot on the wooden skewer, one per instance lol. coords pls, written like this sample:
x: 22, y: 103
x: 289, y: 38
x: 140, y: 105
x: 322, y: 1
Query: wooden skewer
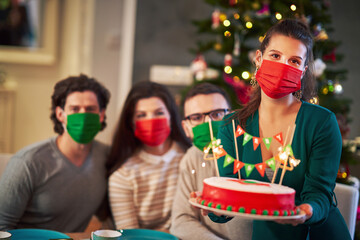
x: 236, y: 147
x: 212, y: 147
x: 277, y: 163
x: 286, y: 160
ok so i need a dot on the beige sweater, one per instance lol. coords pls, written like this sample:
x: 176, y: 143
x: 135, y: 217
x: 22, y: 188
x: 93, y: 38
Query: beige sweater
x: 141, y: 192
x: 187, y: 222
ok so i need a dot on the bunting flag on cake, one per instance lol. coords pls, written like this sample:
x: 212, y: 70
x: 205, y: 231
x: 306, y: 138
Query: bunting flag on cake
x: 267, y: 142
x: 239, y: 131
x: 261, y: 168
x: 279, y: 138
x: 256, y: 142
x: 247, y: 138
x: 228, y: 160
x: 248, y: 168
x: 237, y: 165
x: 271, y: 163
x: 219, y: 151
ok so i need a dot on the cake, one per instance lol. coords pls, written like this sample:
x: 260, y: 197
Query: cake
x: 248, y: 196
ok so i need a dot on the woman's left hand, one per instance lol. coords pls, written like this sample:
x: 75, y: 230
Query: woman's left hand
x: 304, y: 208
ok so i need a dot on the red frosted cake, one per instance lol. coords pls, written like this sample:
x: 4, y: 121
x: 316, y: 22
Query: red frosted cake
x: 248, y: 196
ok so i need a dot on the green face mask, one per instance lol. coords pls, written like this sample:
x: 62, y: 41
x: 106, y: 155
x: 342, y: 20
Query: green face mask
x: 83, y: 127
x: 202, y: 136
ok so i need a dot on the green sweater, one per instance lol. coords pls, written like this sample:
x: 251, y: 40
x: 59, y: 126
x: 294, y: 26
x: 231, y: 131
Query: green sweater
x: 317, y: 143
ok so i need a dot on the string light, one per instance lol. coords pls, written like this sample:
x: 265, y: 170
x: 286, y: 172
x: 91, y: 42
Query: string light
x: 222, y: 17
x: 338, y: 88
x: 249, y: 25
x: 227, y: 69
x: 314, y: 100
x: 261, y: 38
x: 227, y: 34
x: 226, y: 23
x: 293, y: 7
x: 325, y: 90
x: 236, y: 16
x: 217, y: 46
x: 245, y: 75
x: 236, y: 79
x: 278, y: 16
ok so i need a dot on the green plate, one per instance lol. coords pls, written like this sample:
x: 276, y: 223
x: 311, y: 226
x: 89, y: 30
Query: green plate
x: 145, y: 234
x: 36, y: 234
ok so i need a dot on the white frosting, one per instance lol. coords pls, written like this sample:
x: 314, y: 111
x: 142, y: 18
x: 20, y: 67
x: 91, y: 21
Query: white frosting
x: 233, y: 184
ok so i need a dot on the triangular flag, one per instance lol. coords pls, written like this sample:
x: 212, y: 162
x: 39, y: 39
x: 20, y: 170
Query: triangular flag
x: 239, y: 131
x: 256, y: 142
x: 267, y: 142
x: 261, y: 168
x: 247, y: 137
x: 219, y: 151
x: 237, y: 165
x: 279, y: 138
x: 271, y: 163
x: 216, y: 142
x: 228, y: 160
x: 249, y: 168
x: 288, y: 149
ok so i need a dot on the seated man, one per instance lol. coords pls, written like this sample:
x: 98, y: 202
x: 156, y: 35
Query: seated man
x: 202, y: 102
x: 61, y: 182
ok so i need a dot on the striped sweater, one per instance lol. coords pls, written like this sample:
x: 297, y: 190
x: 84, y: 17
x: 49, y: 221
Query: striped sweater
x: 141, y: 192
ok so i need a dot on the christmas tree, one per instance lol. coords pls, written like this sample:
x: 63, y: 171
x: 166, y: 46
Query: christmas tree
x: 233, y: 32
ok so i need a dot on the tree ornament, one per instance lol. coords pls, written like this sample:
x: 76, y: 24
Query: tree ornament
x: 241, y: 89
x: 233, y: 2
x: 264, y: 11
x: 319, y: 67
x: 228, y: 59
x: 198, y: 67
x: 215, y: 18
x: 236, y: 50
x: 330, y: 57
x: 320, y: 33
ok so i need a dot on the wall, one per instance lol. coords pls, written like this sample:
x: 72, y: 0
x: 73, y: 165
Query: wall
x: 346, y: 21
x: 89, y: 42
x: 105, y: 57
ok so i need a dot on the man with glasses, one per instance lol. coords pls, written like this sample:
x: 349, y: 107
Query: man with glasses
x: 203, y: 105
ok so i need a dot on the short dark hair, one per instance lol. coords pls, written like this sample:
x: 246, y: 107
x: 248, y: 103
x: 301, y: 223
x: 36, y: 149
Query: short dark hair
x: 76, y: 84
x: 205, y: 88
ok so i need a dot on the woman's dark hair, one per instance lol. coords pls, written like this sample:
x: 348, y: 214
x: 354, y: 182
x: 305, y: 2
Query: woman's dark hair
x: 297, y: 30
x: 77, y: 84
x: 125, y: 143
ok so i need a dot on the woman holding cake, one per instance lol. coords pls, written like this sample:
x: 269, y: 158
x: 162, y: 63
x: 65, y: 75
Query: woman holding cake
x: 283, y: 83
x: 147, y: 148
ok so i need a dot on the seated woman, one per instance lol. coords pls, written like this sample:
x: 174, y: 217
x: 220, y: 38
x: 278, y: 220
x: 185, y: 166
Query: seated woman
x: 144, y: 160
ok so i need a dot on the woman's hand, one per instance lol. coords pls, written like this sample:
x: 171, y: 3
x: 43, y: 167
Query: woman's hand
x: 304, y: 208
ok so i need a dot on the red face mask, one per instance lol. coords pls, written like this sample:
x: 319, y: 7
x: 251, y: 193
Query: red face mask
x: 152, y: 132
x: 277, y: 79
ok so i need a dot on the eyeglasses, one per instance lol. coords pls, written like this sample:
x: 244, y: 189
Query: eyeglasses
x: 214, y: 115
